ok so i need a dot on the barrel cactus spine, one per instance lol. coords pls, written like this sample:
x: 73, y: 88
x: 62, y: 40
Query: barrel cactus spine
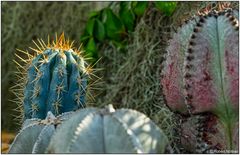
x: 200, y: 74
x: 107, y: 130
x: 54, y: 79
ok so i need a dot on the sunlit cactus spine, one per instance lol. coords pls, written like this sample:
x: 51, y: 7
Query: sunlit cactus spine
x: 54, y: 79
x: 200, y: 74
x: 107, y: 130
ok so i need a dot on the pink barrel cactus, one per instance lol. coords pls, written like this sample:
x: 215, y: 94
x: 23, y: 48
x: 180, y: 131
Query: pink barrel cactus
x: 200, y: 74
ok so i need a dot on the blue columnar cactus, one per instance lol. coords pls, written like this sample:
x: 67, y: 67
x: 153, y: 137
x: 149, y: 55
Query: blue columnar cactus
x: 56, y: 79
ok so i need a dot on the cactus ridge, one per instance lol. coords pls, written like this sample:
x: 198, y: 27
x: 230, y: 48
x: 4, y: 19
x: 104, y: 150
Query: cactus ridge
x: 228, y: 98
x: 190, y: 68
x: 35, y: 134
x: 55, y: 79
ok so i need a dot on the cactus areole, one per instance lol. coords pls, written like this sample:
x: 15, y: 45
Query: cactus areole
x: 201, y: 71
x: 56, y: 79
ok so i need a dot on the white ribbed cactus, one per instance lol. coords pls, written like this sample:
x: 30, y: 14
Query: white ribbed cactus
x: 35, y: 134
x: 93, y: 130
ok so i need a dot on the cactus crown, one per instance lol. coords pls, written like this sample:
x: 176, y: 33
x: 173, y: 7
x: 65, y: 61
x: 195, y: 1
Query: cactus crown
x: 54, y: 78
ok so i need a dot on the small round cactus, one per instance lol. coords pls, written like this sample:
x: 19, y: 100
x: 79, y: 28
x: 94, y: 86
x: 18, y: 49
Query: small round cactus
x: 55, y: 79
x: 35, y: 134
x: 92, y: 130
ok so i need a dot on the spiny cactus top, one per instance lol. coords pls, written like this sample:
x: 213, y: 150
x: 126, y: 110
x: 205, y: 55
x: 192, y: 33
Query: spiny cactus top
x: 55, y: 79
x: 92, y: 130
x: 201, y: 67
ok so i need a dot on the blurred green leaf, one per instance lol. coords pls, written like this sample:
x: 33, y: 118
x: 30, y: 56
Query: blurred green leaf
x: 114, y: 26
x: 126, y: 15
x: 84, y: 38
x: 139, y: 7
x: 99, y: 31
x: 93, y: 14
x: 91, y: 48
x: 119, y: 45
x: 90, y: 26
x: 166, y: 7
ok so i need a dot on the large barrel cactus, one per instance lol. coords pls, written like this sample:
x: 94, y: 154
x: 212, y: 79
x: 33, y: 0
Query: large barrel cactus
x: 35, y: 134
x: 92, y: 130
x: 55, y: 79
x: 200, y: 73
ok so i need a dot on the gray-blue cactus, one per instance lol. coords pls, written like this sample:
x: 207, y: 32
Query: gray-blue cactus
x: 93, y: 130
x: 35, y: 134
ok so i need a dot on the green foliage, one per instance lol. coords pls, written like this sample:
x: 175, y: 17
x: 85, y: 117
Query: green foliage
x: 91, y: 48
x: 139, y: 7
x: 114, y: 26
x: 99, y: 30
x: 108, y: 26
x: 127, y: 15
x: 166, y: 7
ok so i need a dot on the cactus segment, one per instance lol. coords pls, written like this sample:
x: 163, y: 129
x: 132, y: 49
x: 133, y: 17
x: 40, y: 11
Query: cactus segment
x: 206, y: 135
x: 67, y: 131
x: 109, y: 131
x: 214, y: 60
x: 140, y: 125
x: 25, y: 140
x: 172, y: 81
x: 36, y: 134
x: 128, y: 142
x: 43, y: 139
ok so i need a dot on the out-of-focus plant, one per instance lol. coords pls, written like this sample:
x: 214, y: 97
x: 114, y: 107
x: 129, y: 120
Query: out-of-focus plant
x: 108, y: 26
x: 166, y: 7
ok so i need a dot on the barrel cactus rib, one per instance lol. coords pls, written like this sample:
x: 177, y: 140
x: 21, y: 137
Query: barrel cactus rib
x: 214, y: 73
x: 109, y: 131
x: 24, y: 141
x: 172, y: 81
x: 141, y: 126
x: 88, y: 129
x: 43, y: 139
x: 35, y: 135
x: 128, y: 142
x: 67, y: 130
x: 211, y: 66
